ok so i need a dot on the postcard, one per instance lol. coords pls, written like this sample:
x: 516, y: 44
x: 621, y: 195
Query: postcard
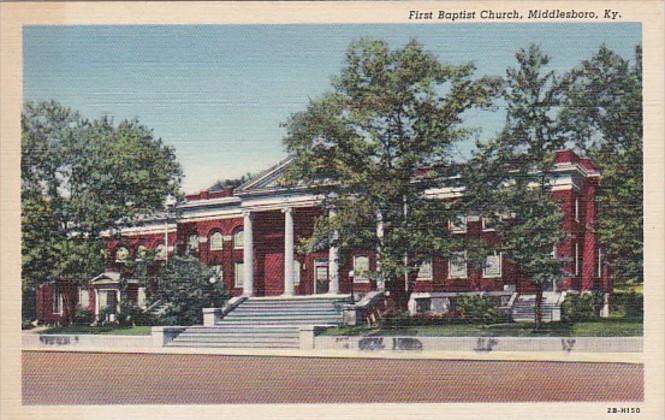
x: 332, y: 209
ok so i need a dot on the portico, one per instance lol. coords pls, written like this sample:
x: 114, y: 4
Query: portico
x: 291, y: 274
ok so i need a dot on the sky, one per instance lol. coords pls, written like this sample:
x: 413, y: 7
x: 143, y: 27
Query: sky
x: 218, y: 93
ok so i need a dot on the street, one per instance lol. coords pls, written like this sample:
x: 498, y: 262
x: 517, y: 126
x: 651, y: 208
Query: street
x: 111, y: 378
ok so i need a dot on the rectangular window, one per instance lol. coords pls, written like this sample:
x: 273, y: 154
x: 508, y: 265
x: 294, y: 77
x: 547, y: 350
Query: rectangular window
x: 492, y: 266
x: 425, y: 270
x: 57, y: 300
x: 458, y: 225
x: 457, y: 265
x: 84, y: 298
x: 239, y: 274
x: 360, y: 269
x: 577, y: 259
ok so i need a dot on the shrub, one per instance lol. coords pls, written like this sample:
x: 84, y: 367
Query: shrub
x: 479, y: 309
x: 131, y: 314
x: 83, y: 317
x: 104, y: 316
x: 630, y: 304
x: 585, y: 307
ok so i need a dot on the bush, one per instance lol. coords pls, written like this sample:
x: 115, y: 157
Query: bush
x: 479, y: 309
x: 585, y: 307
x: 630, y: 304
x: 185, y: 289
x: 104, y: 316
x: 131, y: 314
x: 83, y: 317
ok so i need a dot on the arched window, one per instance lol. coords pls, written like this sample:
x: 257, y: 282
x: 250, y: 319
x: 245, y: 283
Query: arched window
x: 238, y: 239
x: 216, y: 241
x: 121, y: 254
x: 141, y: 251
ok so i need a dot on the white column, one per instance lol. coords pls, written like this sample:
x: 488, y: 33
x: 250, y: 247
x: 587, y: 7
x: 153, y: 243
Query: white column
x: 248, y: 255
x: 288, y: 251
x: 333, y: 260
x: 380, y: 284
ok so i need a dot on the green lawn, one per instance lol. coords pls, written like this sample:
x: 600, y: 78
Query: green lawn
x: 108, y: 330
x: 603, y: 328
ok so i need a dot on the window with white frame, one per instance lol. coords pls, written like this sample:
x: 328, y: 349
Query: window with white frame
x: 577, y: 259
x: 193, y: 243
x: 577, y: 209
x: 84, y: 297
x: 599, y: 270
x: 360, y: 269
x: 488, y: 224
x: 239, y: 274
x: 492, y: 266
x: 218, y: 271
x: 457, y: 265
x: 216, y: 241
x: 296, y: 272
x: 56, y: 300
x: 239, y: 239
x: 458, y: 225
x: 425, y: 270
x: 160, y: 252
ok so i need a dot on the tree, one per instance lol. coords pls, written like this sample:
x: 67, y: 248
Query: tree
x: 382, y: 136
x: 230, y: 182
x: 508, y: 179
x: 186, y: 286
x: 81, y: 178
x: 602, y: 116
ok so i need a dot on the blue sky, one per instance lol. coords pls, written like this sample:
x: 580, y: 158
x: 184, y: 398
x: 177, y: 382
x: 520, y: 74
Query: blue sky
x: 218, y: 93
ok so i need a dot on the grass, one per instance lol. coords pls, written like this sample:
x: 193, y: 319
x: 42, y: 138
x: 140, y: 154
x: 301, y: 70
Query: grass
x: 106, y: 330
x: 603, y: 328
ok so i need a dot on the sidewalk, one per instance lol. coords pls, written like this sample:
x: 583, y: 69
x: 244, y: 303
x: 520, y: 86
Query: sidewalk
x: 631, y: 358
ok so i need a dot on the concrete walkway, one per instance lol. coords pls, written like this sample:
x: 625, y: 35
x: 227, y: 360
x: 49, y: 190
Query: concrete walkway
x: 632, y: 358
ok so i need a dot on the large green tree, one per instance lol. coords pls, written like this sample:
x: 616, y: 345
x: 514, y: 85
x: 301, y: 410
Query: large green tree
x: 508, y: 179
x: 186, y: 286
x: 382, y: 136
x: 81, y: 178
x: 602, y: 115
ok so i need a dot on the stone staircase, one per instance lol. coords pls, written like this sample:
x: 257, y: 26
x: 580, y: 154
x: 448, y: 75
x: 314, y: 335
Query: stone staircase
x: 524, y: 308
x: 265, y: 323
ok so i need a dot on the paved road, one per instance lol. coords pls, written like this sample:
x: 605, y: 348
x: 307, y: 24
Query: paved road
x: 96, y: 378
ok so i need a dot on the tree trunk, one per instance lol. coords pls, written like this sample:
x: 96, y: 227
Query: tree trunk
x: 539, y: 307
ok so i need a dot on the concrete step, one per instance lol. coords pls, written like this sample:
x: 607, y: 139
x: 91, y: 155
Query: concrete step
x: 234, y: 345
x: 240, y: 340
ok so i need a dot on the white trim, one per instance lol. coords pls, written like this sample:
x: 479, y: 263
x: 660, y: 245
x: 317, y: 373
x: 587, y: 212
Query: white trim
x: 599, y: 268
x: 576, y: 209
x: 577, y: 258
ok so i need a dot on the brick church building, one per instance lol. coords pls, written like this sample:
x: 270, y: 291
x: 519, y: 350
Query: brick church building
x: 249, y: 235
